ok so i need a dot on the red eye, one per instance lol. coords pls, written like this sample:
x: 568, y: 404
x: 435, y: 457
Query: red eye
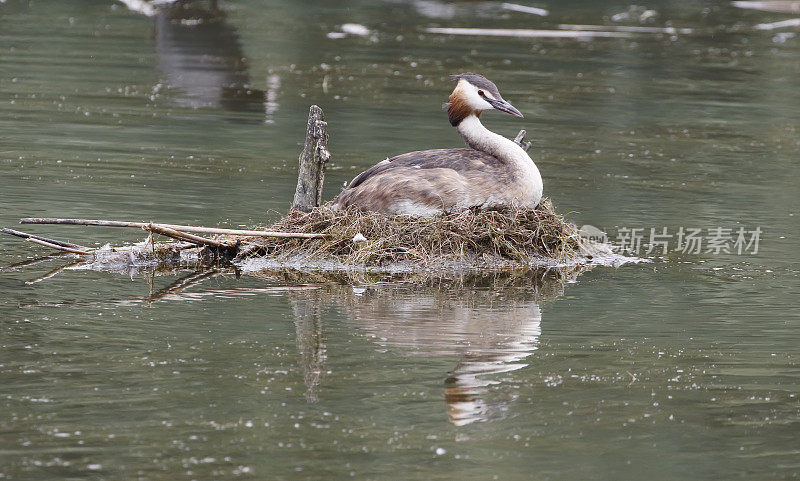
x: 480, y: 92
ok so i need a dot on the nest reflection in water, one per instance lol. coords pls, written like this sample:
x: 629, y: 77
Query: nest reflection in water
x: 490, y: 323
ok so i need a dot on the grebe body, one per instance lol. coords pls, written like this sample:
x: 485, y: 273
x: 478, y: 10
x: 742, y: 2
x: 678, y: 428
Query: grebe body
x: 493, y: 172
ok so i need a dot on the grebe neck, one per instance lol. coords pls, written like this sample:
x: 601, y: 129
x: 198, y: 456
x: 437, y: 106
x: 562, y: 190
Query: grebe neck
x: 480, y: 138
x: 518, y: 163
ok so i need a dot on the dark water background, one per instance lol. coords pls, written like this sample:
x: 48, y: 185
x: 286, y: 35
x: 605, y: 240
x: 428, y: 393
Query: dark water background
x: 683, y: 368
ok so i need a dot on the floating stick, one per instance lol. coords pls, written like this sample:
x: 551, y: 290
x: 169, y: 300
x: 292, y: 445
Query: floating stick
x: 166, y: 231
x: 182, y: 228
x: 525, y: 9
x: 526, y: 33
x: 58, y: 247
x: 25, y: 235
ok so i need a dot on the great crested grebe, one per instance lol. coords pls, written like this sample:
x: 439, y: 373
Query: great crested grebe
x: 493, y: 172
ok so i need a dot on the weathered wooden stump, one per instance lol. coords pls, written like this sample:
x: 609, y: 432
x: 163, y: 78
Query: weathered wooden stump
x: 315, y: 155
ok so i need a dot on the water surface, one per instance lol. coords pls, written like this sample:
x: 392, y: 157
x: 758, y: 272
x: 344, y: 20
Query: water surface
x: 682, y: 368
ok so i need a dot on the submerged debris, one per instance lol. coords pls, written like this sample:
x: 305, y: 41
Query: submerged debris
x: 144, y: 255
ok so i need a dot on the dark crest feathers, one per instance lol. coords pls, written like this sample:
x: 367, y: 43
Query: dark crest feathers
x: 479, y: 81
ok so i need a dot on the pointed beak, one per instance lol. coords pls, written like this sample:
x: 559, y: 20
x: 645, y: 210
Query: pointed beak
x: 504, y: 106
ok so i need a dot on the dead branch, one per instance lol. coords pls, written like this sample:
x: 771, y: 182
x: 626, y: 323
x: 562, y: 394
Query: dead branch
x: 58, y: 247
x: 178, y: 227
x: 166, y: 231
x: 25, y: 235
x: 520, y: 140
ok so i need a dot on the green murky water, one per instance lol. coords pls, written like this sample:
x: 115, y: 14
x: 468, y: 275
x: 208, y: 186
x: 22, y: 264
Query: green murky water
x: 687, y: 367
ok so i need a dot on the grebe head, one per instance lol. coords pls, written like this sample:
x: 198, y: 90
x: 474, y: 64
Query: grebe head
x: 473, y: 94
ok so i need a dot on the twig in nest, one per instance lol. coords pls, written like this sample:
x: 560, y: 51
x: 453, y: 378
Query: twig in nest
x: 166, y: 231
x: 520, y: 140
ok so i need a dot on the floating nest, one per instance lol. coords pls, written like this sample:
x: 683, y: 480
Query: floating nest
x: 328, y: 240
x: 478, y: 238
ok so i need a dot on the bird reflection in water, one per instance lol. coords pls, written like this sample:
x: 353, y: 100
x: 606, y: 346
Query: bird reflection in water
x: 491, y: 324
x: 201, y: 57
x: 508, y: 336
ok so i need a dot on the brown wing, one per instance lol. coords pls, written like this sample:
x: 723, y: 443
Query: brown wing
x: 460, y: 160
x: 433, y: 178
